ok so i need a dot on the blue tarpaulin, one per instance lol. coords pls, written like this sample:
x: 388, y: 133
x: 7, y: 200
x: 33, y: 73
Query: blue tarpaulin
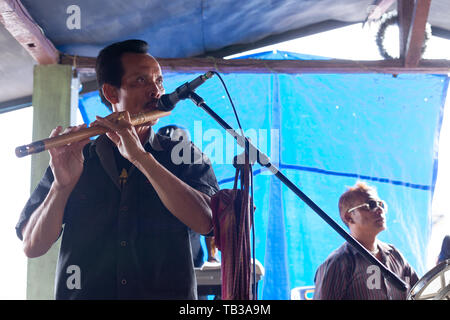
x: 325, y: 132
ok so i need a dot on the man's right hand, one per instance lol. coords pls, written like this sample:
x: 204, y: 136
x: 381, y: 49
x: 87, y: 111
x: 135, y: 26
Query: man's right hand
x: 44, y: 226
x: 66, y: 162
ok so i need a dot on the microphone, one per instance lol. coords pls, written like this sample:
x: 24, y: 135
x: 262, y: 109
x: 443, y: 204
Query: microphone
x: 168, y: 101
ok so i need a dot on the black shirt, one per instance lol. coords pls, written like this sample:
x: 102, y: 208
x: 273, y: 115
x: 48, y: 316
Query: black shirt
x: 122, y: 240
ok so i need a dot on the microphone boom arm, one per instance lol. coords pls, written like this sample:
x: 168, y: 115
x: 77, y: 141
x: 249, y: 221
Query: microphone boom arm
x: 264, y: 161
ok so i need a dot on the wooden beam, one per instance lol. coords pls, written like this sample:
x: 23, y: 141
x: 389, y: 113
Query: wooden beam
x: 378, y: 10
x: 22, y: 27
x: 416, y: 34
x: 197, y: 65
x: 405, y: 9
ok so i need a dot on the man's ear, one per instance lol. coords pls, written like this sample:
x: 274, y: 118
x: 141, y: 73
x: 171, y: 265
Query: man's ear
x: 348, y: 218
x: 111, y: 93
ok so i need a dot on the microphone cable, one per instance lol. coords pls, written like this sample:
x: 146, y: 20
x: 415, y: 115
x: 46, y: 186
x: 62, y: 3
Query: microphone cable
x: 252, y: 218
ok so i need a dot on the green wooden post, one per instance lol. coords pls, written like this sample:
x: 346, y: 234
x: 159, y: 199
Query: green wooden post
x: 55, y: 99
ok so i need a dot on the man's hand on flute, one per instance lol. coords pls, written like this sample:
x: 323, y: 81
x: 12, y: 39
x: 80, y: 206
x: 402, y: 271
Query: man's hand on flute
x: 66, y: 161
x: 123, y: 134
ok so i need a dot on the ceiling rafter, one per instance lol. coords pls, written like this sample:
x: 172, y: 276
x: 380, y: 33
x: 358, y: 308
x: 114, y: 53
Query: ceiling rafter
x: 196, y: 65
x: 16, y: 19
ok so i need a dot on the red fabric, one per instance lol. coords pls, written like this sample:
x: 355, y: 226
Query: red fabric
x: 231, y: 209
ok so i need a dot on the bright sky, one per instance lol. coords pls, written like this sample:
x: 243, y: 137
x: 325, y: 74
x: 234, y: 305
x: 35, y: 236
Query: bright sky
x: 334, y: 44
x: 360, y: 46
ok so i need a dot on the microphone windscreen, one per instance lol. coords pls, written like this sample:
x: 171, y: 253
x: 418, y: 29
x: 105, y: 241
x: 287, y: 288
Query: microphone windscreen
x: 164, y: 103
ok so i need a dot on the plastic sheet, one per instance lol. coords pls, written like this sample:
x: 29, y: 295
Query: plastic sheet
x: 328, y: 131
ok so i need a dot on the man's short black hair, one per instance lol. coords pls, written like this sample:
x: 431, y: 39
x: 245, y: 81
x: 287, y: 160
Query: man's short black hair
x: 109, y: 64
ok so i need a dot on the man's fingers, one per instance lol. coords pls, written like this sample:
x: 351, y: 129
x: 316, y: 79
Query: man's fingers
x: 124, y: 120
x: 82, y: 143
x: 55, y: 132
x: 75, y: 128
x: 58, y: 131
x: 113, y: 137
x: 107, y: 124
x: 81, y: 127
x: 68, y: 129
x: 121, y: 122
x: 127, y: 117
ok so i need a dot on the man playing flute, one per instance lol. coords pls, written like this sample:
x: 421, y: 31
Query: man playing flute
x: 120, y: 204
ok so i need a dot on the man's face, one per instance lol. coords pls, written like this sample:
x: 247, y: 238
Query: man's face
x: 365, y: 220
x: 142, y: 84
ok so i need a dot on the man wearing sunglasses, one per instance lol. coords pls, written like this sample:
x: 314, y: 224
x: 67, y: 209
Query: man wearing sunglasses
x: 346, y: 274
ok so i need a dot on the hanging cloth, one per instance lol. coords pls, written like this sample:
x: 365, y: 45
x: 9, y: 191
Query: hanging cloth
x: 231, y: 219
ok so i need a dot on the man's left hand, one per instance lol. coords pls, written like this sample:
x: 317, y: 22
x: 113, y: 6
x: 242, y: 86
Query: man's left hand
x: 123, y: 134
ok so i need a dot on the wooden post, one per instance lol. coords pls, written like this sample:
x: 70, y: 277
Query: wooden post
x: 412, y: 41
x: 55, y: 97
x: 405, y: 9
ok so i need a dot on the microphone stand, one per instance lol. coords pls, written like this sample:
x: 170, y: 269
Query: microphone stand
x: 255, y: 154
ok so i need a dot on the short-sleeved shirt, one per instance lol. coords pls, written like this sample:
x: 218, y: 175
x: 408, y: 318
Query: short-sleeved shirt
x: 445, y: 249
x: 119, y: 241
x: 347, y: 275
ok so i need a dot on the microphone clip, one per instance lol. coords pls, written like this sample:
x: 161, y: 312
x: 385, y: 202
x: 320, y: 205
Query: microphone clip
x: 168, y: 101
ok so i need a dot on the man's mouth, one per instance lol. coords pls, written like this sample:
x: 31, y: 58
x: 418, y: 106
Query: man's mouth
x: 151, y: 105
x: 380, y: 219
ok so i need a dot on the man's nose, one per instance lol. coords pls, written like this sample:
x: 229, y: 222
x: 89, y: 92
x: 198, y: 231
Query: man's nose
x: 153, y: 91
x: 379, y: 210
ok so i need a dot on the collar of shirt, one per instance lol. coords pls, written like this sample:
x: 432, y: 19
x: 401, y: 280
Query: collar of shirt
x: 104, y: 148
x: 154, y: 141
x: 384, y: 248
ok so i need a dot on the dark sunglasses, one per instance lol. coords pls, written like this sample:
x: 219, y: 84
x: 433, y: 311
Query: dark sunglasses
x: 371, y: 205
